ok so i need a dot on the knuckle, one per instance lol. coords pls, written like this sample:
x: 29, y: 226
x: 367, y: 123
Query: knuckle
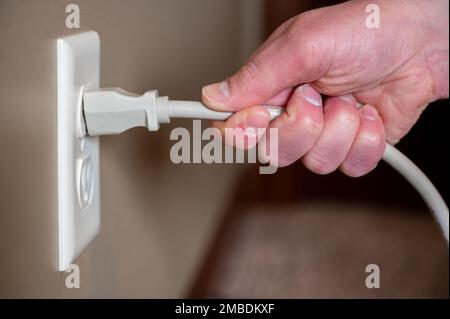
x: 304, y: 25
x: 293, y: 31
x: 364, y: 156
x: 357, y: 166
x: 318, y: 164
x: 285, y: 158
x: 309, y: 124
x: 306, y: 38
x: 347, y: 116
x: 250, y: 71
x: 371, y: 142
x: 352, y: 171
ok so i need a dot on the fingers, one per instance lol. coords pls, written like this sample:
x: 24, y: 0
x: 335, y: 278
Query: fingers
x: 341, y: 123
x: 368, y: 145
x: 244, y: 128
x: 283, y: 61
x: 298, y: 127
x: 337, y: 135
x: 241, y: 116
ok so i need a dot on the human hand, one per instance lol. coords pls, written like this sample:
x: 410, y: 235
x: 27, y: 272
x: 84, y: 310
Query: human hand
x: 395, y: 71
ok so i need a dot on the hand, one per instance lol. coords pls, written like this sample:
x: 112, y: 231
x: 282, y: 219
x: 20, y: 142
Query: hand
x: 393, y: 71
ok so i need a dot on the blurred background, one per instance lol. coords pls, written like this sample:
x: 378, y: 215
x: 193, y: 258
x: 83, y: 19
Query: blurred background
x: 198, y: 230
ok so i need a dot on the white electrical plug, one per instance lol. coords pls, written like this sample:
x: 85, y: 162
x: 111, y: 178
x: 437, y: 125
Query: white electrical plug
x: 114, y: 110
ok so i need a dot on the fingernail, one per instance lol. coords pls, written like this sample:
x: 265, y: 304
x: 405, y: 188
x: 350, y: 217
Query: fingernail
x: 369, y: 112
x: 218, y: 92
x: 311, y: 95
x: 347, y: 98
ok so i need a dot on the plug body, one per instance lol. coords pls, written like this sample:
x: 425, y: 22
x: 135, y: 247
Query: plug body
x: 114, y: 110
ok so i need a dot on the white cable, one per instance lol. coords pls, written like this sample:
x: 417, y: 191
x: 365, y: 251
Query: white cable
x: 392, y: 156
x: 112, y: 111
x: 197, y: 110
x: 421, y: 183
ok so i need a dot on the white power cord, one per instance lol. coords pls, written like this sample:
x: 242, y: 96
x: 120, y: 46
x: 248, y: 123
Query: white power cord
x: 421, y: 183
x: 196, y: 110
x: 113, y: 111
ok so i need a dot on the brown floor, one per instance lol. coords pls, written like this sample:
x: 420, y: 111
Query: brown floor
x: 321, y: 250
x: 291, y: 241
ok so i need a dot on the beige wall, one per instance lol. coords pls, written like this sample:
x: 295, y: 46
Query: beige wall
x: 157, y: 217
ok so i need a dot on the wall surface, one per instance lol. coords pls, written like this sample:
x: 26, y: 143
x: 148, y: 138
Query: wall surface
x: 157, y: 217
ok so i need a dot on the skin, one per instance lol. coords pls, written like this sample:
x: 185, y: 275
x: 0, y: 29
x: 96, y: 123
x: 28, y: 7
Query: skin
x: 322, y: 64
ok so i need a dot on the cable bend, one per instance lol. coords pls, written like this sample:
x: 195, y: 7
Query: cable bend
x: 421, y: 183
x: 392, y: 156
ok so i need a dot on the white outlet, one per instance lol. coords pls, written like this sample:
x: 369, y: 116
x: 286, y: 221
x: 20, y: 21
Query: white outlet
x: 78, y: 156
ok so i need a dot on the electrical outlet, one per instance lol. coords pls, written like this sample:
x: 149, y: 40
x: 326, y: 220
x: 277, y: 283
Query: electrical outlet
x: 78, y: 65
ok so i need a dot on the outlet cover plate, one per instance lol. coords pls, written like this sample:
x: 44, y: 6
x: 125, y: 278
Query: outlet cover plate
x: 78, y: 68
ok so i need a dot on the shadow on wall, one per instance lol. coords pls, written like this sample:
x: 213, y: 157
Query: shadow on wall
x: 157, y: 217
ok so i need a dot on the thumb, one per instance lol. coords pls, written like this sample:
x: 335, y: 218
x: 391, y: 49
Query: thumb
x: 280, y: 63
